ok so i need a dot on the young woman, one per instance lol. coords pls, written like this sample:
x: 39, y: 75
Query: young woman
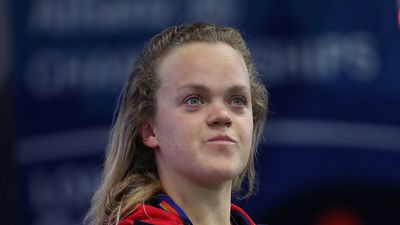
x: 186, y: 132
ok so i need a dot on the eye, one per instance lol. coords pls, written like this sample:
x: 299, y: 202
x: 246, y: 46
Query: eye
x: 238, y: 101
x: 193, y: 101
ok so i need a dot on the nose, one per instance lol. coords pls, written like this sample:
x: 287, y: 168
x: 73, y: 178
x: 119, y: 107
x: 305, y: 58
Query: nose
x: 219, y: 115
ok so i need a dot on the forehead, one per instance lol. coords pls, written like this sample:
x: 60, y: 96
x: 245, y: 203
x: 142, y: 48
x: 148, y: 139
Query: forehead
x: 200, y: 60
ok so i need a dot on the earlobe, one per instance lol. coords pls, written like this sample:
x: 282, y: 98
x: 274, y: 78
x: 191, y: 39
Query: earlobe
x: 148, y: 136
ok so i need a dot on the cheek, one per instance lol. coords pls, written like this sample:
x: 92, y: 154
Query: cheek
x: 174, y: 131
x: 248, y: 128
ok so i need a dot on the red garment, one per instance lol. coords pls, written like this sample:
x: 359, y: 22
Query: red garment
x: 158, y: 216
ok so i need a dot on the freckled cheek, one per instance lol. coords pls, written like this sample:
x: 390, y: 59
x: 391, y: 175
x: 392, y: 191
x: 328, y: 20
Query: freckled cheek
x: 248, y: 130
x: 247, y: 126
x: 178, y: 134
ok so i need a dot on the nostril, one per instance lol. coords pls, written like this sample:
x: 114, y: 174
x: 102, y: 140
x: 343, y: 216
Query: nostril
x: 219, y: 115
x: 220, y: 120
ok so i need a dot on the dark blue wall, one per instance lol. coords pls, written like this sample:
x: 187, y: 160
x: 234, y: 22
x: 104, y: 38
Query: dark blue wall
x: 332, y: 140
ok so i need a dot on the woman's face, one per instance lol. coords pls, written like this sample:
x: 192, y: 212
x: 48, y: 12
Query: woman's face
x: 203, y: 124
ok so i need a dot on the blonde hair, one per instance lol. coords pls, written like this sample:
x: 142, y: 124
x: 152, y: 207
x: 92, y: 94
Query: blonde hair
x: 130, y: 174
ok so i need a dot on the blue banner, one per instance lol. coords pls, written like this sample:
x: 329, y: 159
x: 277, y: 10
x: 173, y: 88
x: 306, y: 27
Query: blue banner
x: 331, y: 67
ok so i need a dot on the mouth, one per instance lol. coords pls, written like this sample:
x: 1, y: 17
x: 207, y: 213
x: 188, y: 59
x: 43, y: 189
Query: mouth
x: 222, y: 139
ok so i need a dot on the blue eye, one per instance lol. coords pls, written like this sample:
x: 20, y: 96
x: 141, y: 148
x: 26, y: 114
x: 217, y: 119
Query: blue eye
x: 238, y: 101
x: 195, y: 100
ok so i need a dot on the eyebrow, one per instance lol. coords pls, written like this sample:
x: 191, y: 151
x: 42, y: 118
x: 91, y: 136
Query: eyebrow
x: 239, y: 88
x: 194, y: 87
x: 203, y: 88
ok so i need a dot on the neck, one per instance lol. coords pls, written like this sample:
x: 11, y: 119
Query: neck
x: 203, y: 205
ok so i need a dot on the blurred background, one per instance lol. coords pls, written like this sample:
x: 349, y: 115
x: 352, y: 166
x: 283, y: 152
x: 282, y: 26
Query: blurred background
x: 331, y: 148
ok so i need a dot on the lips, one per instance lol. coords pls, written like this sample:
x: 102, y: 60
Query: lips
x: 222, y: 139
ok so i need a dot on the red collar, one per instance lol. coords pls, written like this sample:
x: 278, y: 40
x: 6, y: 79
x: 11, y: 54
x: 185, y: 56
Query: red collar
x: 164, y: 211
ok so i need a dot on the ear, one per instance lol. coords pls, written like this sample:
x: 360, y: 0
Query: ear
x: 148, y: 136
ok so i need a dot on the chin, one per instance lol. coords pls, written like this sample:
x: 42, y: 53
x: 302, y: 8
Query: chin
x: 227, y: 174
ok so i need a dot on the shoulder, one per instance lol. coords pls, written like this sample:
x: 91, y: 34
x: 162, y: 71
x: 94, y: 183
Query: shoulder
x: 146, y: 214
x: 240, y: 216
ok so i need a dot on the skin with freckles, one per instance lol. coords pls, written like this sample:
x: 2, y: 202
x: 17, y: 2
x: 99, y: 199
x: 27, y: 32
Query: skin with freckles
x: 203, y: 124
